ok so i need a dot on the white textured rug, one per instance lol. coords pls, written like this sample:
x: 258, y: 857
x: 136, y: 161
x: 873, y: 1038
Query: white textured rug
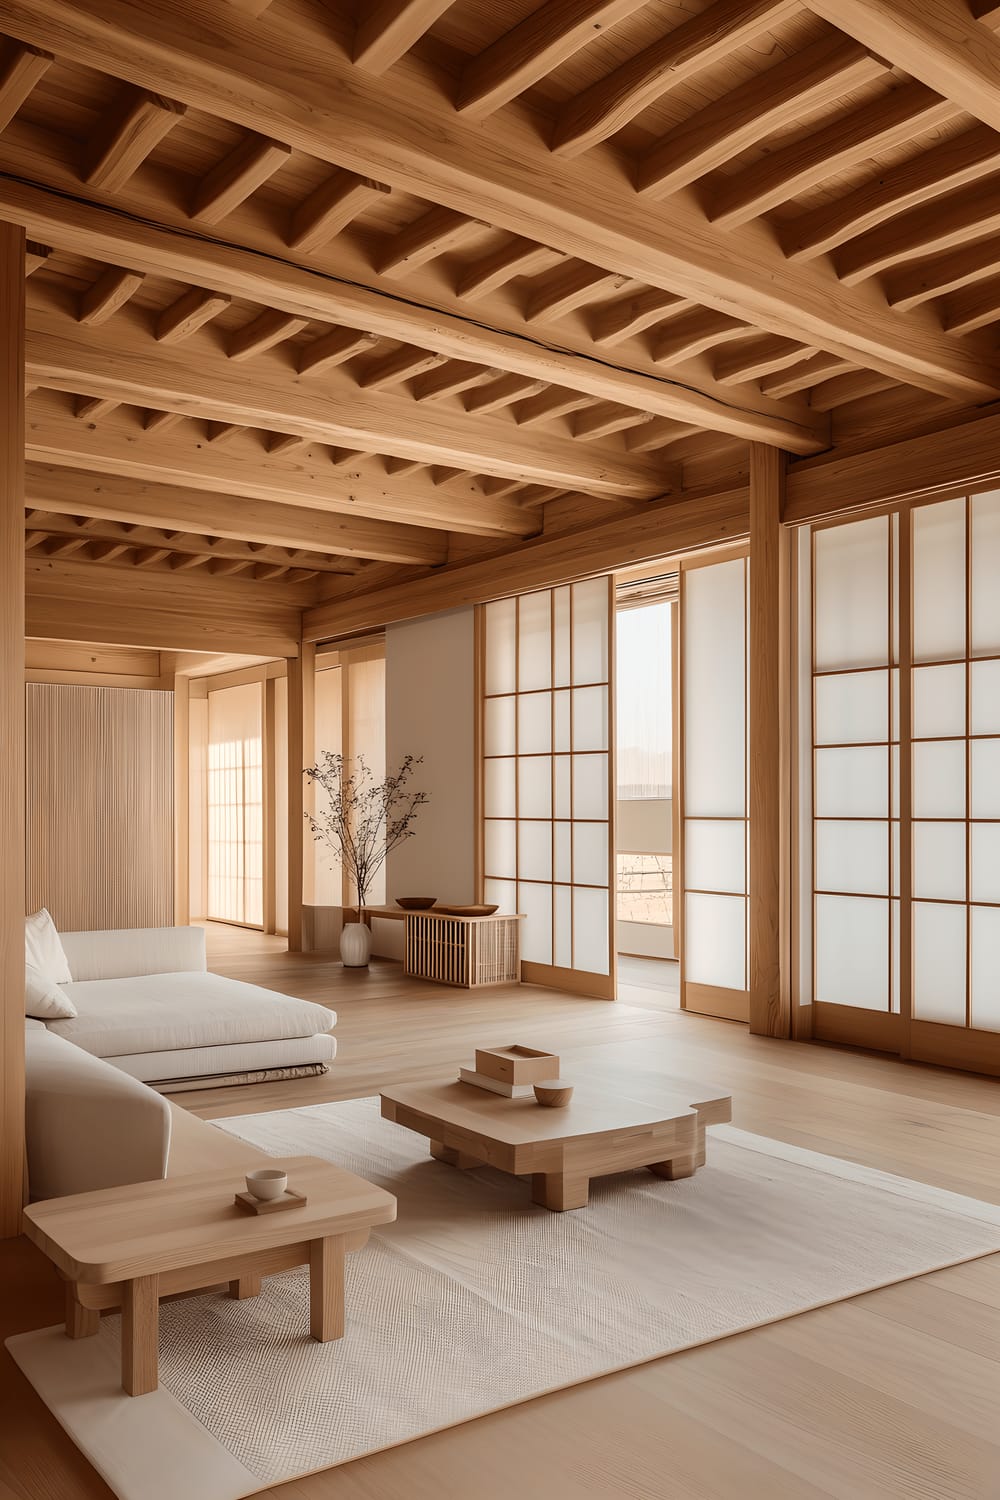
x: 475, y: 1299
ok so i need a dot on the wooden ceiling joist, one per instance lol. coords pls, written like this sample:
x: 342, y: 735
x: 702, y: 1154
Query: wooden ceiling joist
x: 434, y: 233
x: 72, y: 492
x: 191, y: 311
x: 263, y: 332
x: 129, y: 133
x: 402, y: 135
x: 241, y: 173
x: 629, y: 316
x: 35, y: 256
x: 111, y: 292
x: 330, y: 208
x: 334, y: 348
x: 501, y: 392
x: 131, y: 367
x: 388, y: 28
x: 568, y: 288
x: 966, y: 215
x: 23, y: 69
x: 517, y: 258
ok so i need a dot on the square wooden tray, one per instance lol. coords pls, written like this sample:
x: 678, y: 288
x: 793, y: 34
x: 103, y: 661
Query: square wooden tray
x: 251, y: 1205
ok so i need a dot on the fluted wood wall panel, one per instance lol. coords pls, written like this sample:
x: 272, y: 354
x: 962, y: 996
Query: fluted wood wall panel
x: 100, y: 816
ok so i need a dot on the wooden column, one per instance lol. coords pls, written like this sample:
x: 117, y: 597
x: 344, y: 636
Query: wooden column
x: 301, y: 734
x: 269, y: 791
x: 182, y: 800
x: 11, y: 728
x: 770, y: 747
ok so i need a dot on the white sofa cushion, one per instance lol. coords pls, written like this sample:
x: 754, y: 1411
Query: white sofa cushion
x: 43, y: 950
x: 89, y: 1125
x: 194, y: 1063
x: 167, y: 1012
x: 44, y: 1000
x: 122, y: 952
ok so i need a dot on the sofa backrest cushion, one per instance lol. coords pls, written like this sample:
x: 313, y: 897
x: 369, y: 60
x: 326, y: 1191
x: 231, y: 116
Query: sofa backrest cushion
x: 43, y: 949
x: 45, y: 1000
x: 125, y: 953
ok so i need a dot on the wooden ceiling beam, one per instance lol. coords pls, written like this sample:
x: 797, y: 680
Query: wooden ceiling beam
x: 35, y: 256
x: 516, y: 258
x: 130, y: 367
x: 974, y: 307
x: 450, y: 380
x: 803, y: 375
x: 109, y: 293
x: 503, y: 391
x: 568, y: 288
x: 632, y: 314
x: 403, y: 136
x: 609, y: 104
x: 889, y: 121
x: 398, y: 367
x: 434, y: 233
x: 93, y: 408
x: 908, y: 286
x: 695, y: 332
x: 549, y: 404
x: 127, y: 135
x: 954, y: 163
x: 239, y: 174
x: 334, y: 348
x: 191, y: 311
x: 532, y: 49
x: 759, y: 358
x: 24, y: 67
x: 604, y: 419
x: 388, y: 28
x: 309, y: 481
x: 330, y: 208
x: 928, y: 230
x: 65, y: 491
x: 263, y: 332
x: 938, y: 42
x: 170, y: 250
x: 160, y: 421
x: 755, y: 109
x: 659, y: 433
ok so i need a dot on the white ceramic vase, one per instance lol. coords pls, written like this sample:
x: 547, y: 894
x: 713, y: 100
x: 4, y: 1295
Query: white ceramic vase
x: 355, y: 945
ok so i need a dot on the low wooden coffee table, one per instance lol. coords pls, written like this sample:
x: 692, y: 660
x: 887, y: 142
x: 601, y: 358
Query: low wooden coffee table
x: 599, y: 1132
x: 130, y: 1246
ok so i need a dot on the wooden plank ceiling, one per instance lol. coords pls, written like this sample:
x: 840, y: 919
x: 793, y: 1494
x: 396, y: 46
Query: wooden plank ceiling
x: 327, y: 293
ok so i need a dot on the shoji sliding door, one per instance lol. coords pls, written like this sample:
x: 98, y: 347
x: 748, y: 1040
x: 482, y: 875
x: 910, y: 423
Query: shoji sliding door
x: 711, y: 787
x: 235, y: 795
x: 906, y: 781
x: 547, y: 783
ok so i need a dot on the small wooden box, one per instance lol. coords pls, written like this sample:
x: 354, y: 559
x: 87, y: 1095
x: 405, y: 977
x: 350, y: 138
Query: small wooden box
x: 516, y: 1064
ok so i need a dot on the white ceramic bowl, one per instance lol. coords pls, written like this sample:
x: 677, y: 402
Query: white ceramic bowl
x: 266, y: 1183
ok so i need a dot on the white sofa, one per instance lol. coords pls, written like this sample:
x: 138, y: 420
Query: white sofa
x: 146, y: 1003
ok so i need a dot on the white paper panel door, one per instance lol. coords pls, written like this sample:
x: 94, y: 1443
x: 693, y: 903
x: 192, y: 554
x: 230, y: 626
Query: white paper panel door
x: 546, y: 778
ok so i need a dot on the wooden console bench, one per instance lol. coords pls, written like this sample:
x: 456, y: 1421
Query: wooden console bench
x: 467, y: 952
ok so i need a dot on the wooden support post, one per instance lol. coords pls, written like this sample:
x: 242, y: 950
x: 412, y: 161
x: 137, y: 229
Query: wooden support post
x: 770, y: 758
x: 270, y: 810
x: 301, y: 735
x: 12, y: 250
x: 182, y: 800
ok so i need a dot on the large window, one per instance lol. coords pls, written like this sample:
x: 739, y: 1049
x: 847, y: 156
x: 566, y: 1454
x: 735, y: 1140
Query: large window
x: 235, y: 805
x: 644, y: 768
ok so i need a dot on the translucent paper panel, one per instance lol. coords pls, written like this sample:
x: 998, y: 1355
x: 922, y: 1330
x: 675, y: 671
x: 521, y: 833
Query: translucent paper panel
x: 985, y: 861
x: 939, y: 861
x: 560, y: 638
x: 852, y: 708
x: 501, y: 646
x: 563, y: 841
x: 985, y: 975
x: 894, y: 920
x: 562, y: 902
x: 562, y: 721
x: 562, y: 779
x: 591, y: 918
x: 499, y: 726
x: 715, y: 855
x: 534, y: 723
x: 939, y: 581
x: 939, y: 948
x: 938, y: 701
x: 715, y: 941
x: 590, y: 854
x: 985, y: 693
x: 985, y: 570
x: 499, y: 788
x: 852, y: 595
x: 852, y: 951
x: 852, y: 783
x: 504, y: 893
x: 852, y: 858
x: 939, y: 779
x: 534, y: 850
x: 500, y: 848
x: 591, y: 628
x: 590, y: 786
x: 714, y: 710
x: 590, y: 718
x: 534, y: 787
x: 536, y: 931
x: 534, y: 633
x: 894, y: 840
x: 984, y: 758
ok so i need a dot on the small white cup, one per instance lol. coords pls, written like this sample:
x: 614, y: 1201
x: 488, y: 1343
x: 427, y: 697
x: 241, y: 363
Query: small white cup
x: 266, y: 1183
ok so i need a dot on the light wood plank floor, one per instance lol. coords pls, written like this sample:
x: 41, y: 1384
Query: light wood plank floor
x: 893, y: 1394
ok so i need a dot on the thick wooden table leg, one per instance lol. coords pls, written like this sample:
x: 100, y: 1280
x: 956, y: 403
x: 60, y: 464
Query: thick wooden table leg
x: 454, y: 1158
x: 678, y: 1167
x: 326, y: 1289
x: 559, y: 1191
x: 140, y: 1335
x: 81, y: 1322
x: 245, y: 1286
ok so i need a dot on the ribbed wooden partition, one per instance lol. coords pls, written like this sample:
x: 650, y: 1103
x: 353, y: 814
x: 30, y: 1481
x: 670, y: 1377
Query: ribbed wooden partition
x: 100, y: 806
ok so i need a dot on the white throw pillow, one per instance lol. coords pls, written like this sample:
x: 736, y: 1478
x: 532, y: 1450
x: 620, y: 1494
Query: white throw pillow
x: 43, y: 950
x: 44, y: 1000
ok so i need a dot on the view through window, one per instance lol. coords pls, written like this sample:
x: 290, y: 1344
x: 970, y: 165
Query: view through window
x: 644, y: 764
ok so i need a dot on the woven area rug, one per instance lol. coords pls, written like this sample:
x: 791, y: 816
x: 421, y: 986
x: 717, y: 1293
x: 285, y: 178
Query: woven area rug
x: 475, y: 1299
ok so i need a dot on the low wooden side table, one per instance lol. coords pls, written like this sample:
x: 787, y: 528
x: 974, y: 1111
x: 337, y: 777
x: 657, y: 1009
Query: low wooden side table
x: 130, y: 1246
x: 467, y: 952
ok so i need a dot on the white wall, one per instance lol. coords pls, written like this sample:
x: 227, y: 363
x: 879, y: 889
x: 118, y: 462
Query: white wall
x: 430, y: 711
